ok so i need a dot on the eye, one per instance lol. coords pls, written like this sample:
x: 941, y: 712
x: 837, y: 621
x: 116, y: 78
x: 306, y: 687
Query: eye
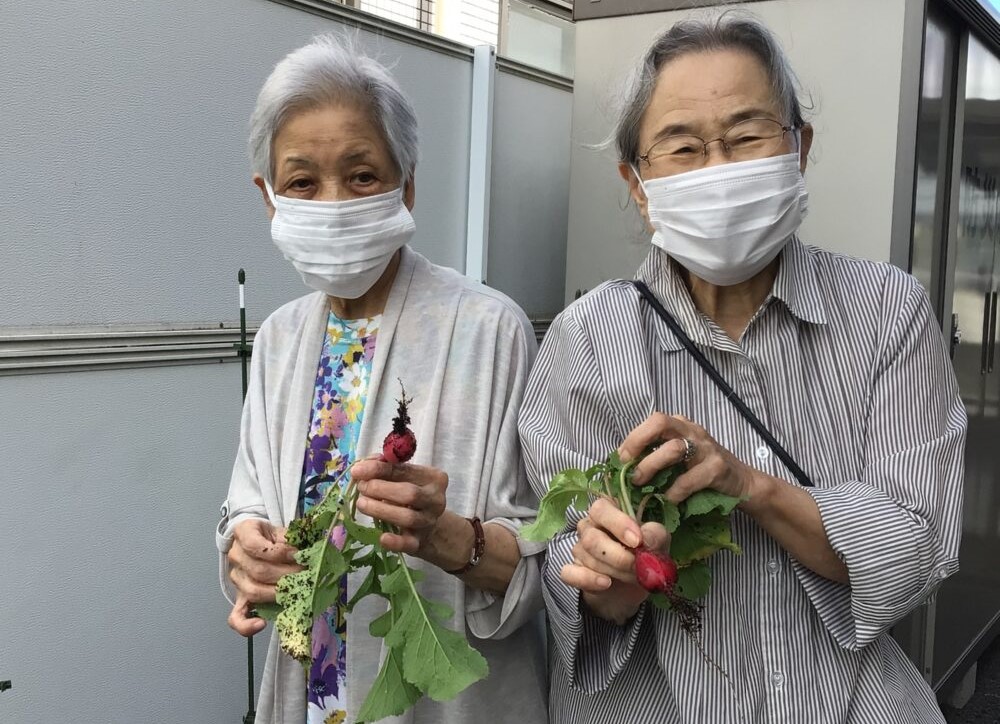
x: 745, y: 139
x: 365, y: 178
x: 683, y: 151
x: 299, y: 184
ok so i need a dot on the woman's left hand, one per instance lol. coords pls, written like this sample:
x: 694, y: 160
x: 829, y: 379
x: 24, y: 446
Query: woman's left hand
x: 409, y: 497
x: 709, y: 465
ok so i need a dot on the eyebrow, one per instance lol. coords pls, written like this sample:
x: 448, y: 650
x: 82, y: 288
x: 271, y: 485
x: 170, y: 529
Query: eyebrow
x: 688, y: 129
x: 297, y: 161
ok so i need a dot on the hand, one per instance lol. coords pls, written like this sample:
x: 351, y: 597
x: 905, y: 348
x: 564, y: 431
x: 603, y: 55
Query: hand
x: 711, y: 466
x: 603, y: 565
x: 409, y: 497
x: 240, y: 621
x: 258, y: 557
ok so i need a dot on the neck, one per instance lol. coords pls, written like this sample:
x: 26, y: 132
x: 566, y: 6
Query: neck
x: 372, y: 302
x: 733, y: 307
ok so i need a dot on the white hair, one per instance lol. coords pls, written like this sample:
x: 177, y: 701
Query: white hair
x: 732, y: 30
x: 332, y: 69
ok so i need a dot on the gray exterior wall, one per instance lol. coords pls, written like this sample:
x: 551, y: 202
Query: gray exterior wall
x: 128, y: 201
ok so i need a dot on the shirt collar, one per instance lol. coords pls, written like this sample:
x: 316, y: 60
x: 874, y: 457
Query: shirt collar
x: 796, y: 286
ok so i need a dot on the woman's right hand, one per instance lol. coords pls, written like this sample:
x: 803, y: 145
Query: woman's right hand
x: 603, y: 567
x: 259, y: 556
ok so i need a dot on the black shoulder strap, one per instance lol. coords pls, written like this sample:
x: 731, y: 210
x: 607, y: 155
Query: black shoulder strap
x: 721, y: 383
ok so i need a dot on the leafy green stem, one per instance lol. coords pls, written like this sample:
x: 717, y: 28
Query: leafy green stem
x: 623, y: 483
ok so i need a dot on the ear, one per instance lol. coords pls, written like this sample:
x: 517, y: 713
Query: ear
x: 409, y: 193
x: 806, y: 135
x: 259, y: 182
x: 635, y: 191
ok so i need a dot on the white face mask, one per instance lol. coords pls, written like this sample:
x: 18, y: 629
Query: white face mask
x: 726, y: 223
x: 341, y: 248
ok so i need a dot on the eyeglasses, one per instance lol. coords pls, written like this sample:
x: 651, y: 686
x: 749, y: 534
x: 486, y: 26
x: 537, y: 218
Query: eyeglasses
x: 745, y: 141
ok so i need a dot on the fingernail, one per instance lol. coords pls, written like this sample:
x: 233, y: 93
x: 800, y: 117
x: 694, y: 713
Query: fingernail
x: 637, y: 477
x: 604, y: 582
x: 631, y: 539
x: 623, y: 456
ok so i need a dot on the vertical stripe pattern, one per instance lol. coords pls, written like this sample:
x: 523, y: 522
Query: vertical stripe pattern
x: 845, y: 365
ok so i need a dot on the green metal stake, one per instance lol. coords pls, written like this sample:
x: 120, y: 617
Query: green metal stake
x: 244, y: 353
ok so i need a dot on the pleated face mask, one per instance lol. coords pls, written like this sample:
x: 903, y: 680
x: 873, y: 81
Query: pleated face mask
x: 341, y: 248
x: 726, y: 223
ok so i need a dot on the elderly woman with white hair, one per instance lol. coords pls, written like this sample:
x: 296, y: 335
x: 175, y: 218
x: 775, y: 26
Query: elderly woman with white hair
x: 813, y: 386
x: 334, y: 147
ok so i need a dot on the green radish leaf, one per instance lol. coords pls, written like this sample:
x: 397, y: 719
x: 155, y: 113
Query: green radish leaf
x: 294, y: 623
x: 614, y: 462
x: 569, y: 487
x: 390, y: 694
x: 693, y: 581
x: 381, y: 626
x: 437, y: 610
x: 436, y: 660
x: 705, y: 501
x: 267, y: 611
x: 665, y: 478
x: 660, y: 601
x: 670, y: 514
x: 369, y: 586
x: 311, y: 527
x: 699, y: 537
x: 396, y: 581
x: 330, y: 570
x: 362, y: 534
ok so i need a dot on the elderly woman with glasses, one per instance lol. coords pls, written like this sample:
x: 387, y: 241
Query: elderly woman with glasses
x: 850, y: 475
x: 333, y: 142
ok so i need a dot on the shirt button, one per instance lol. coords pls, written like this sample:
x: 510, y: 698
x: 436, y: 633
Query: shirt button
x: 772, y: 566
x: 777, y: 679
x: 763, y: 453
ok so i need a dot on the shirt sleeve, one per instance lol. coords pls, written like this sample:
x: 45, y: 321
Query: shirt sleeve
x: 566, y: 422
x: 510, y: 501
x: 898, y: 527
x: 244, y: 500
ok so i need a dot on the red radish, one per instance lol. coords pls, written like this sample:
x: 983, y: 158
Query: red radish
x: 655, y: 571
x: 400, y: 444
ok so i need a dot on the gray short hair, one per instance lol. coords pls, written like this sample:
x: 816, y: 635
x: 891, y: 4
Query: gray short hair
x: 729, y: 31
x: 332, y: 69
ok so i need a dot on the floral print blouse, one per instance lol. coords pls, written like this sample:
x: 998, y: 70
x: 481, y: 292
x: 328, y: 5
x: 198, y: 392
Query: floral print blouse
x: 338, y: 407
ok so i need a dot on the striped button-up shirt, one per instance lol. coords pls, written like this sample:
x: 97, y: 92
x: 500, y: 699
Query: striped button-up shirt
x: 845, y: 364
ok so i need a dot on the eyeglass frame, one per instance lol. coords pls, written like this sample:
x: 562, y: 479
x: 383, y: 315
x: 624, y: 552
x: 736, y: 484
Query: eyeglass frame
x: 705, y: 144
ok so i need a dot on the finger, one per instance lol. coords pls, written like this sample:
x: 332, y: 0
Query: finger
x: 250, y: 589
x: 597, y: 550
x: 261, y: 571
x: 696, y: 478
x: 394, y: 514
x: 263, y: 541
x: 241, y: 623
x: 666, y: 455
x: 655, y: 537
x: 618, y: 524
x: 652, y: 431
x: 584, y: 579
x: 617, y: 569
x: 401, y: 542
x: 407, y: 495
x: 397, y: 472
